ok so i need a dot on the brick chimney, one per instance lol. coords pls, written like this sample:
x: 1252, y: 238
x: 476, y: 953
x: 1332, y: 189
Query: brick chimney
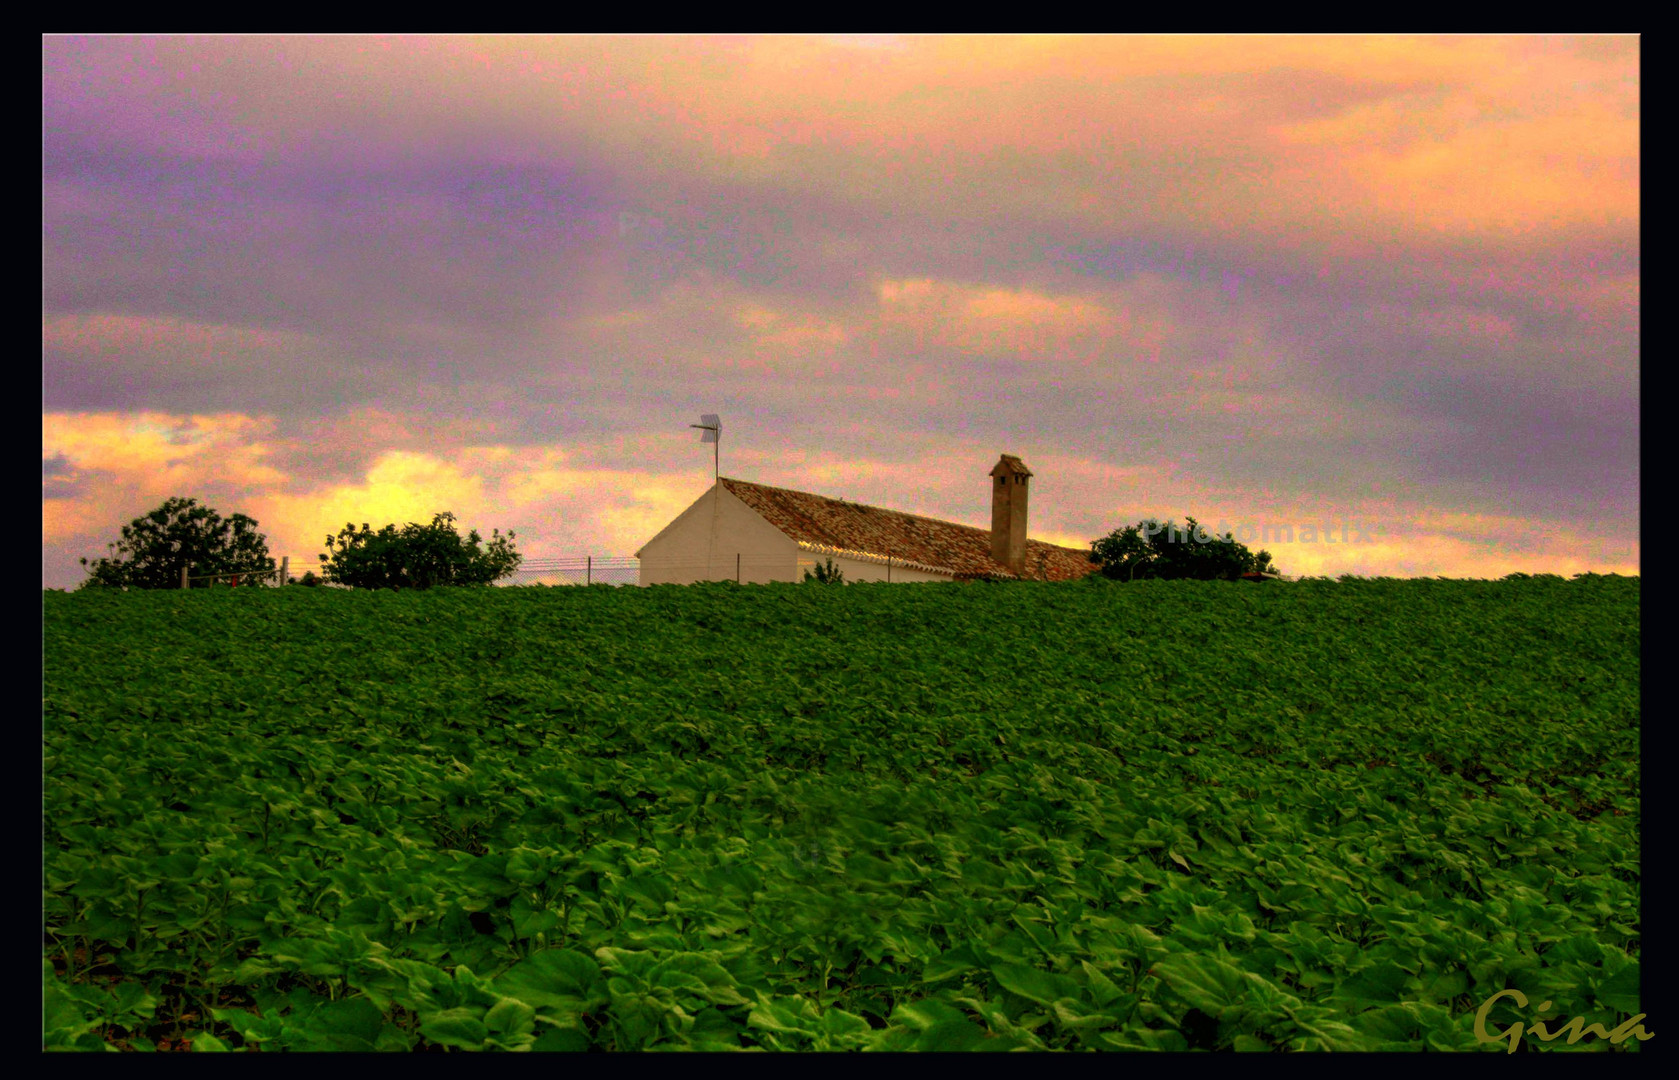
x: 1011, y: 480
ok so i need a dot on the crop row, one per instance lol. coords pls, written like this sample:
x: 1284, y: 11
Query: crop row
x: 1158, y: 815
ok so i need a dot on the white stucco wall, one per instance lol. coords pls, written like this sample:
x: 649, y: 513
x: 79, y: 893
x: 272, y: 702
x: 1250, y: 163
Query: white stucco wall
x: 705, y: 540
x: 863, y: 569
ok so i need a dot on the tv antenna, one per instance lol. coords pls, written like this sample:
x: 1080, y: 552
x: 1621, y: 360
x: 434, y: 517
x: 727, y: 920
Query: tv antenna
x: 711, y: 431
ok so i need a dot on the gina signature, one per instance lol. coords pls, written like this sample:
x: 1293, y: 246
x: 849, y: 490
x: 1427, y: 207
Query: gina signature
x: 1576, y: 1029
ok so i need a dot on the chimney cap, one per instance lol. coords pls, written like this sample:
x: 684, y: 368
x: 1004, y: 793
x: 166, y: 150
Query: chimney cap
x: 1009, y: 464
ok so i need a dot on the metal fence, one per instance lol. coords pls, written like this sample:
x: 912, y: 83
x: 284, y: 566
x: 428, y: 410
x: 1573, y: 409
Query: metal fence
x: 588, y: 570
x: 581, y: 570
x: 240, y: 577
x: 281, y: 574
x: 294, y: 571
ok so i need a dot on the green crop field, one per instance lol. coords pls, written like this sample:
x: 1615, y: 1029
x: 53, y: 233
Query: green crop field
x: 1158, y: 815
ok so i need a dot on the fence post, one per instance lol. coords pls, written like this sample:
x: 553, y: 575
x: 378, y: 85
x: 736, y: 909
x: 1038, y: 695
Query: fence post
x: 285, y: 569
x: 183, y: 577
x: 589, y: 571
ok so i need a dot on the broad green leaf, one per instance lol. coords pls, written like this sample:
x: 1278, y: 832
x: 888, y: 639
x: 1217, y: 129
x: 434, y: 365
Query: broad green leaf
x: 926, y: 1014
x: 951, y: 1035
x: 253, y: 1029
x: 630, y: 962
x: 63, y: 1018
x: 699, y: 975
x: 510, y: 1017
x: 1102, y: 988
x: 842, y: 1025
x: 1449, y: 986
x: 349, y: 1024
x: 788, y: 1016
x: 950, y: 963
x: 458, y: 1027
x: 1621, y: 990
x: 1073, y: 1017
x: 1209, y: 983
x: 205, y: 1042
x: 1381, y: 984
x: 551, y: 977
x: 1139, y: 1038
x: 561, y: 1040
x: 1040, y: 986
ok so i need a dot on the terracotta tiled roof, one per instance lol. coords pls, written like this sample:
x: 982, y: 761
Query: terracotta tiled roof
x: 823, y: 524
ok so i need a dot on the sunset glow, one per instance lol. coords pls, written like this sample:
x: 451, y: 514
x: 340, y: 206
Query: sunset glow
x: 1387, y: 281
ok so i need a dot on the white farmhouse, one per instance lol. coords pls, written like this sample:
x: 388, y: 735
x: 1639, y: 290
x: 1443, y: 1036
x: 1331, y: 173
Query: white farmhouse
x: 754, y: 534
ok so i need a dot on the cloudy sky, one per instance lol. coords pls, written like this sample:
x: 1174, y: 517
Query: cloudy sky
x: 1387, y: 286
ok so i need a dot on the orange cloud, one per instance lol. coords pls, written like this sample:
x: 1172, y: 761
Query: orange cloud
x: 781, y: 339
x: 998, y: 321
x: 562, y: 505
x: 1513, y: 137
x: 162, y: 452
x: 136, y: 461
x: 1501, y: 136
x: 559, y: 508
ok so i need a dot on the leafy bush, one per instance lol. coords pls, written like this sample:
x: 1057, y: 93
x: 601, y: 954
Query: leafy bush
x: 1167, y: 552
x: 826, y: 574
x: 178, y: 534
x: 417, y: 556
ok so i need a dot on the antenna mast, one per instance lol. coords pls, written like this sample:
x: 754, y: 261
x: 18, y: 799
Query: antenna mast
x: 711, y: 431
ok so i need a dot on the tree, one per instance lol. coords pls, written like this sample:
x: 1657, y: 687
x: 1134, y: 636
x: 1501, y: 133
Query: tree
x: 180, y: 533
x: 417, y: 556
x: 827, y: 574
x: 1152, y: 550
